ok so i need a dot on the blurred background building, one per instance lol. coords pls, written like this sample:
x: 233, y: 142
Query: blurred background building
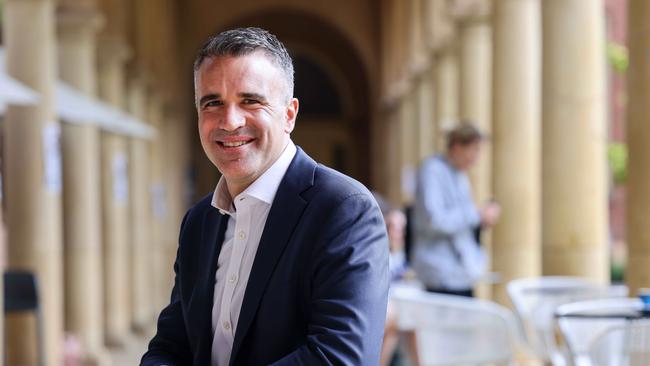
x: 101, y: 157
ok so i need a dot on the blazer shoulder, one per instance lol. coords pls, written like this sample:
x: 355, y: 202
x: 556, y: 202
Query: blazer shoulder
x: 338, y: 186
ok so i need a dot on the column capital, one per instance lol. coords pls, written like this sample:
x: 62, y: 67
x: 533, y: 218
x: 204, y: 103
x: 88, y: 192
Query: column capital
x: 77, y: 19
x: 395, y: 93
x: 470, y: 11
x: 113, y: 49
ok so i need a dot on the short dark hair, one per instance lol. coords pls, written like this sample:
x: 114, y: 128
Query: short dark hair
x: 244, y: 41
x: 464, y: 133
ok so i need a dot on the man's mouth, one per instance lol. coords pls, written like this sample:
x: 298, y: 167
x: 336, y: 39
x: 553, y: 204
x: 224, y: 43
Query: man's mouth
x: 235, y: 144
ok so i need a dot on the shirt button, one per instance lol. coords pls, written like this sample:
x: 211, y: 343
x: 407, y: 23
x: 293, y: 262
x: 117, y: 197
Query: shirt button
x: 232, y: 279
x: 226, y: 325
x: 242, y: 235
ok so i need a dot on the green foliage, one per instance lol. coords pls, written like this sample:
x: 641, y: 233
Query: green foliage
x: 617, y: 57
x: 617, y: 272
x: 617, y: 157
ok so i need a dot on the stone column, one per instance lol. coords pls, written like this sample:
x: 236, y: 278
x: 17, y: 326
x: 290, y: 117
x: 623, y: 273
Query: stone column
x: 447, y: 93
x: 516, y: 140
x: 116, y: 198
x: 574, y: 183
x: 426, y: 135
x: 77, y: 26
x: 476, y: 87
x: 159, y: 192
x: 392, y: 138
x: 408, y: 121
x: 174, y: 164
x: 32, y: 180
x: 637, y: 273
x: 142, y: 308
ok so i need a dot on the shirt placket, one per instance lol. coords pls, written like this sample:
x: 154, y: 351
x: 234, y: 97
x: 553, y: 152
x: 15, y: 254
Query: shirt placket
x: 240, y: 238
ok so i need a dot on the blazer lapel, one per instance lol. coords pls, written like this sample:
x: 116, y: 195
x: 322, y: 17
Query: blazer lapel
x: 214, y: 229
x: 285, y: 212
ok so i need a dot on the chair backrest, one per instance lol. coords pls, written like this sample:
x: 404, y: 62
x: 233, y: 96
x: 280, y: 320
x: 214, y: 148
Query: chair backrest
x: 584, y: 323
x: 20, y: 291
x: 622, y: 345
x: 455, y: 330
x: 535, y: 300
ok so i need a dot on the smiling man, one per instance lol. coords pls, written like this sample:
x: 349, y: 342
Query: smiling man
x: 286, y: 262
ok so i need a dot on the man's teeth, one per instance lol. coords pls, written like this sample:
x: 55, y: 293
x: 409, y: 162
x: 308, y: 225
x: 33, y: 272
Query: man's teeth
x: 234, y: 144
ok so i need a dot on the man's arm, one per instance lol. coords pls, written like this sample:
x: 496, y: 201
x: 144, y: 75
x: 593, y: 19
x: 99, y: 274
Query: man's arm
x: 349, y: 289
x: 170, y: 345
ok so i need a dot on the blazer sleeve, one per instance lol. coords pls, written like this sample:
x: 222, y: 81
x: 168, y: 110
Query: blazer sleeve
x: 170, y: 345
x: 349, y: 288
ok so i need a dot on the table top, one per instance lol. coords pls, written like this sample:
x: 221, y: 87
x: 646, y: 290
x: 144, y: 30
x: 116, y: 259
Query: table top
x: 630, y: 315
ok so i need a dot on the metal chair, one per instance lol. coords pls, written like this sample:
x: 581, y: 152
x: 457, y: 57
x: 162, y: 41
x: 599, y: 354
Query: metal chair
x: 535, y: 300
x: 454, y: 330
x: 602, y: 332
x: 21, y: 295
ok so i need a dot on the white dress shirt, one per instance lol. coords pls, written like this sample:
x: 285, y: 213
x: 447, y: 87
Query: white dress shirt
x: 248, y: 212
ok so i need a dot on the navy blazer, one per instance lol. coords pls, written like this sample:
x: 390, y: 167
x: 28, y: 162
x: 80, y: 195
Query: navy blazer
x: 317, y: 290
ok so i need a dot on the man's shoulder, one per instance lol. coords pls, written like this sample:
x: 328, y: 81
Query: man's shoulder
x: 334, y: 185
x: 435, y: 163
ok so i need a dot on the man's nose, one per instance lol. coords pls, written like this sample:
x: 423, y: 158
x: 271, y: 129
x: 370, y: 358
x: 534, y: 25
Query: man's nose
x: 233, y: 118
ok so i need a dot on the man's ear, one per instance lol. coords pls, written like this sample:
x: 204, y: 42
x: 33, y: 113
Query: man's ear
x: 291, y: 114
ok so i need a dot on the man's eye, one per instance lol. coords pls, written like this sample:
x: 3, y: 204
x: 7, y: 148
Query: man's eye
x: 212, y: 103
x: 250, y: 101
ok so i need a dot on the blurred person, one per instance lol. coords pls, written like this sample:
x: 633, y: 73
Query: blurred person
x: 286, y: 262
x: 447, y: 255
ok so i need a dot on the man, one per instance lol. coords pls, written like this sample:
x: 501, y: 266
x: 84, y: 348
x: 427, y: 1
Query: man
x: 447, y: 257
x: 286, y: 263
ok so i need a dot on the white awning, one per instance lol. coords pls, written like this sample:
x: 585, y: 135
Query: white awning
x: 13, y: 91
x: 73, y: 106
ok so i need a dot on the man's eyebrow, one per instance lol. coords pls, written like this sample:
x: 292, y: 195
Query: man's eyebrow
x: 208, y: 97
x: 259, y: 97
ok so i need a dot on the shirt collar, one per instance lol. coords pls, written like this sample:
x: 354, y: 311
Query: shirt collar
x: 263, y: 188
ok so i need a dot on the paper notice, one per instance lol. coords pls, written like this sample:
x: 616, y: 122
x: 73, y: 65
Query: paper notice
x: 120, y: 172
x: 52, y: 157
x: 158, y: 201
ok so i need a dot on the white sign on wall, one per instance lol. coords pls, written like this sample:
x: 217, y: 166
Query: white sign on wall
x: 120, y: 170
x: 52, y: 157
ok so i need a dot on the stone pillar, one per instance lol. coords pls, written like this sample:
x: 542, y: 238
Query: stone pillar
x: 516, y: 141
x: 159, y: 192
x: 175, y: 138
x: 426, y: 135
x: 408, y: 121
x: 637, y: 274
x: 142, y: 307
x: 32, y: 180
x: 393, y: 155
x: 446, y: 94
x: 116, y: 199
x: 77, y: 26
x: 476, y: 87
x: 574, y: 182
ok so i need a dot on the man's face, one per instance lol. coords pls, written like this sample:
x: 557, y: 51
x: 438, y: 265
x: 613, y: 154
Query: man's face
x: 244, y: 116
x: 464, y: 156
